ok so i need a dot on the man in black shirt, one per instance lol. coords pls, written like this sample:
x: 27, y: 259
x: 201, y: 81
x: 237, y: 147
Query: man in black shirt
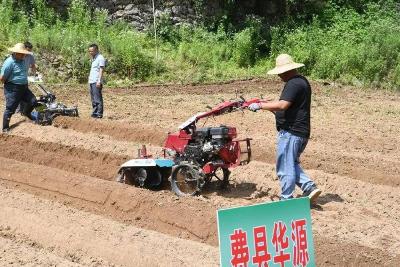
x: 292, y: 114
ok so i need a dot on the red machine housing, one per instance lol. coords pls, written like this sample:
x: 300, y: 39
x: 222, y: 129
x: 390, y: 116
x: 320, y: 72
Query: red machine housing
x: 177, y: 141
x: 229, y: 152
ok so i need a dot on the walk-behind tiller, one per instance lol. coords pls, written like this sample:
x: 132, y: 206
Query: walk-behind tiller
x: 192, y: 156
x: 47, y: 108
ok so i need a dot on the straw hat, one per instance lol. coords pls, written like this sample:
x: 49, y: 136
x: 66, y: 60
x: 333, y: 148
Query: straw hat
x: 19, y: 49
x: 284, y: 63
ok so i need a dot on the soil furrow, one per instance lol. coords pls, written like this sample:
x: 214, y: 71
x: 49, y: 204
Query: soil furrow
x: 72, y: 159
x: 150, y: 210
x: 92, y: 240
x: 159, y: 211
x: 333, y: 162
x: 117, y: 130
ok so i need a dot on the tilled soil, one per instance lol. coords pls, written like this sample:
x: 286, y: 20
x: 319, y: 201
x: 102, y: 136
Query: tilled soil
x: 60, y: 205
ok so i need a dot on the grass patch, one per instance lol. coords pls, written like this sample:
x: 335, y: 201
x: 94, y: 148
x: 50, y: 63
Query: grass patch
x: 355, y: 44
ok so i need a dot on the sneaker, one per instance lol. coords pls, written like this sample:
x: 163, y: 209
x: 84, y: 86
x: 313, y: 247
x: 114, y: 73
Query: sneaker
x: 313, y: 194
x: 6, y: 131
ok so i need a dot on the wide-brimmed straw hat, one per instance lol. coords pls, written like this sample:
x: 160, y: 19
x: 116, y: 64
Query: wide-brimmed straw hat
x: 19, y: 49
x: 284, y: 63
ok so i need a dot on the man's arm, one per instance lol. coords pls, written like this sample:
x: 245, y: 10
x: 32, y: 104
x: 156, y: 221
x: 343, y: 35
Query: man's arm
x: 5, y: 71
x: 98, y: 84
x: 275, y: 105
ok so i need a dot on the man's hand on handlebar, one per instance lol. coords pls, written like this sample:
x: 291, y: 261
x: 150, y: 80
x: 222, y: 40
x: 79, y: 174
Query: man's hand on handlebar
x: 255, y: 107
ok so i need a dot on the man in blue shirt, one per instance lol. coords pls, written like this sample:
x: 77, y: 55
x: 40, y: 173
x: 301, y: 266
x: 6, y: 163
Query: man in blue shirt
x: 96, y: 81
x: 14, y: 76
x: 30, y: 63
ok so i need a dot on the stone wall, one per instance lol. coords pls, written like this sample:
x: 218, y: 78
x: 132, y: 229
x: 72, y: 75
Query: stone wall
x: 140, y: 12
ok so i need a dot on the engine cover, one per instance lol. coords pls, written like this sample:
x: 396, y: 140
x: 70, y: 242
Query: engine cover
x: 202, y: 133
x: 223, y: 132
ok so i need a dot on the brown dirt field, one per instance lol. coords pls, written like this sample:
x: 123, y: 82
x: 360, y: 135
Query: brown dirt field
x: 60, y: 205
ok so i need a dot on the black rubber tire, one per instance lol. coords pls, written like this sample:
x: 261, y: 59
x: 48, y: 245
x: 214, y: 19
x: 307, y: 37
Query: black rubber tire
x: 154, y: 178
x: 222, y: 184
x: 73, y: 112
x: 124, y: 177
x: 182, y: 186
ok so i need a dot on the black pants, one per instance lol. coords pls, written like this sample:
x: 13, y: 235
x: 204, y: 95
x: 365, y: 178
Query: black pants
x: 14, y: 94
x: 97, y: 100
x: 21, y: 107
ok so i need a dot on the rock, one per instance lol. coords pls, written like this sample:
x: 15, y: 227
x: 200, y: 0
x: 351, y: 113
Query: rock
x: 118, y: 14
x: 55, y: 64
x: 129, y: 7
x: 132, y: 11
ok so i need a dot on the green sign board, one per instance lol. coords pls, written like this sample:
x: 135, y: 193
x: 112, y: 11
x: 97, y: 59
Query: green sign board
x: 269, y: 234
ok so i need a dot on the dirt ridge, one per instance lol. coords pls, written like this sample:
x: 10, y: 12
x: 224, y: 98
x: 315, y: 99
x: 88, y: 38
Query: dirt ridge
x: 92, y: 240
x: 73, y: 159
x: 138, y: 206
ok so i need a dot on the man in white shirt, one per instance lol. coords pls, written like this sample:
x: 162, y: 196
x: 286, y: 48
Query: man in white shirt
x: 96, y: 81
x: 30, y: 61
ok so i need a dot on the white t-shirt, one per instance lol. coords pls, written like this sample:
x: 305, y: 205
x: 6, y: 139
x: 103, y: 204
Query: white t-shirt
x: 97, y: 62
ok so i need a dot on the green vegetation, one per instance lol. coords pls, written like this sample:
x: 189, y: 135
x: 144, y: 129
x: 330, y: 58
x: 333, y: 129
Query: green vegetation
x: 356, y: 42
x: 349, y: 46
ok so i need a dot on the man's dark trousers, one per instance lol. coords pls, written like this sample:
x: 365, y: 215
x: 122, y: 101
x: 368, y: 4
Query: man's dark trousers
x: 14, y: 94
x: 96, y: 96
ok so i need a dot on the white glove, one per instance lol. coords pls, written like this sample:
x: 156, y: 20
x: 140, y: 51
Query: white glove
x: 254, y: 107
x: 35, y: 79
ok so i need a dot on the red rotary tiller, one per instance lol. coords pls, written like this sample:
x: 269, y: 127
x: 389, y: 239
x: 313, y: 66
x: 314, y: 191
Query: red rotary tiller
x: 193, y: 156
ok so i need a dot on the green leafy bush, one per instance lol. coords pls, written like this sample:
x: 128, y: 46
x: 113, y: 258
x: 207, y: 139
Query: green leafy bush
x: 353, y: 47
x: 350, y: 41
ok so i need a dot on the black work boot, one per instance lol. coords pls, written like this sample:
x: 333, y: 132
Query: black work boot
x: 6, y: 124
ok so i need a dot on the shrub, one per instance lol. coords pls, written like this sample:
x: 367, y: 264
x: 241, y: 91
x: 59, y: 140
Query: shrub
x: 354, y: 46
x: 337, y: 40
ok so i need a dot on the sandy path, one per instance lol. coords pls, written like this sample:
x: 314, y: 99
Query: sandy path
x: 12, y: 247
x: 91, y: 240
x: 160, y: 211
